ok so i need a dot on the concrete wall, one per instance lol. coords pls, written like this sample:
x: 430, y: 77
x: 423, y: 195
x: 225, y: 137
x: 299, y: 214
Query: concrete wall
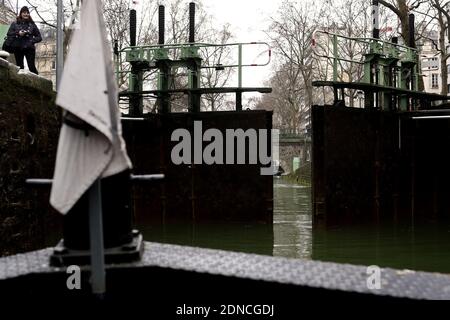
x: 28, y: 140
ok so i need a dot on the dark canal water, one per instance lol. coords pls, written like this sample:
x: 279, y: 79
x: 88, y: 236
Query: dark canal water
x: 416, y: 247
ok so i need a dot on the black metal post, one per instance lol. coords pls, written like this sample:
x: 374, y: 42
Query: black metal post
x: 116, y: 47
x: 376, y: 19
x: 393, y: 79
x: 133, y: 26
x: 412, y: 44
x: 191, y: 22
x: 239, y: 101
x: 136, y: 103
x: 163, y: 100
x: 194, y: 98
x: 412, y: 35
x: 162, y: 22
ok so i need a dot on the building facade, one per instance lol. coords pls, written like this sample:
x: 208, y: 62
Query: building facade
x: 46, y: 54
x: 430, y: 60
x: 430, y: 63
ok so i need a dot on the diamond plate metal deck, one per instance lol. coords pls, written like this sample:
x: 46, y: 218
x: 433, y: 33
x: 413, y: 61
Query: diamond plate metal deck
x: 302, y: 273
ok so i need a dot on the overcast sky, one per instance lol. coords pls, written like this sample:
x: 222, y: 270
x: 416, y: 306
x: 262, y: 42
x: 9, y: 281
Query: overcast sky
x: 249, y: 19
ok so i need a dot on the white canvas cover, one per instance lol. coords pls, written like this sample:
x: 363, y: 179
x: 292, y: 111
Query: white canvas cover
x: 88, y: 91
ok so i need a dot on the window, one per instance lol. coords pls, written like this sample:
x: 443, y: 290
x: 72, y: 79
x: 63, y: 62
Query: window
x: 430, y: 63
x: 434, y: 81
x: 53, y: 64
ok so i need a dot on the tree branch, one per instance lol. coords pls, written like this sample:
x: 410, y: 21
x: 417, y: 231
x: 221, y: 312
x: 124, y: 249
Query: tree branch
x: 390, y: 6
x: 43, y: 21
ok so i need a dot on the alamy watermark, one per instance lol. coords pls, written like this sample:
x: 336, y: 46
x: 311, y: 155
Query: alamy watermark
x: 235, y: 146
x: 73, y: 281
x: 374, y: 280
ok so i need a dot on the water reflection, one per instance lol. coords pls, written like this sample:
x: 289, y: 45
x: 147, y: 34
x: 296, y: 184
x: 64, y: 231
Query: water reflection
x: 292, y: 225
x: 248, y: 238
x: 420, y: 247
x: 424, y: 247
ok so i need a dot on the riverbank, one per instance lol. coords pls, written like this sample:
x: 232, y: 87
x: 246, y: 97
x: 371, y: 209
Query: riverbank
x: 302, y: 176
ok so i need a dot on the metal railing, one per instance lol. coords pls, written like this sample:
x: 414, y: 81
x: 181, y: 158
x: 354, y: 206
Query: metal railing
x: 152, y: 53
x: 369, y: 46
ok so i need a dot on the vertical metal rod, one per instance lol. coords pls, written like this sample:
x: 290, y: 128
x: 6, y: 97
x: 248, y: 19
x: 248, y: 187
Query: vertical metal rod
x: 162, y: 25
x: 133, y: 26
x: 116, y: 60
x: 59, y: 42
x: 239, y: 94
x: 239, y: 101
x: 192, y: 22
x: 335, y: 58
x: 96, y: 240
x: 240, y: 66
x: 136, y: 74
x: 195, y: 64
x: 194, y: 105
x: 414, y: 80
x: 416, y: 77
x: 376, y: 19
x: 412, y: 36
x: 164, y: 68
x: 413, y: 178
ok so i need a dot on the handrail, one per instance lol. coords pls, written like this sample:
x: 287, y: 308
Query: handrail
x: 383, y: 48
x: 364, y: 40
x: 206, y: 45
x: 153, y: 53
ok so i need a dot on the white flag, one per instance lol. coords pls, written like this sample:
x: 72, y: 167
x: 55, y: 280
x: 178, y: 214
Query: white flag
x: 88, y: 91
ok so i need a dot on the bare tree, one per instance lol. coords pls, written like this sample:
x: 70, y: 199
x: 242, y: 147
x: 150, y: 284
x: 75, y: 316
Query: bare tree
x: 12, y: 5
x: 291, y: 34
x: 205, y: 31
x: 402, y: 8
x: 116, y: 13
x: 212, y: 78
x: 287, y: 100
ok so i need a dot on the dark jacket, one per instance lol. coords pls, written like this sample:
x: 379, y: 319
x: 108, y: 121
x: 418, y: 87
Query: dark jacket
x: 29, y: 39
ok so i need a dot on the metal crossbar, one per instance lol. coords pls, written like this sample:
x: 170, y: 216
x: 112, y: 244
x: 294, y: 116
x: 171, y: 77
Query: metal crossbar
x: 136, y: 178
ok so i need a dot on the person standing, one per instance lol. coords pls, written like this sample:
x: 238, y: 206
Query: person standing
x: 27, y: 35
